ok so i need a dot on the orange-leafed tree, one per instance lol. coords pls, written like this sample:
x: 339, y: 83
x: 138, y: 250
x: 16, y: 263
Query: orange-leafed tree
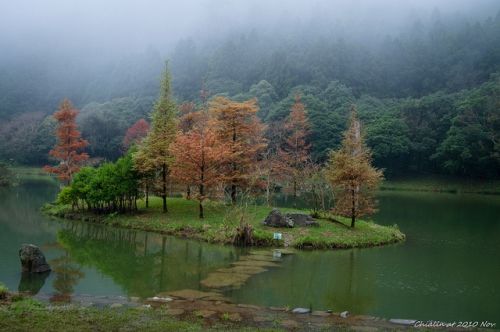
x: 69, y: 144
x: 136, y: 133
x: 294, y: 153
x: 188, y: 116
x: 353, y: 179
x: 240, y: 130
x: 198, y: 160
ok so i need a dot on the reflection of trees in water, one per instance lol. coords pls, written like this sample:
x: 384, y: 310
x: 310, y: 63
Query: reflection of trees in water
x: 335, y: 280
x: 143, y: 264
x: 20, y: 207
x: 67, y: 273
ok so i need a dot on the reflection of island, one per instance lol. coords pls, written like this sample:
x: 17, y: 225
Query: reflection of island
x: 322, y: 280
x: 143, y: 264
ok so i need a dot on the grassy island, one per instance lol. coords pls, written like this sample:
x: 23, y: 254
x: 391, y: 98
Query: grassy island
x: 221, y: 221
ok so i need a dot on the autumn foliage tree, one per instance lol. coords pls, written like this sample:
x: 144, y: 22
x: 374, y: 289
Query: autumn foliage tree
x: 353, y: 178
x: 69, y: 144
x: 153, y: 155
x: 294, y: 153
x: 188, y: 116
x: 199, y: 157
x: 240, y: 130
x: 136, y: 133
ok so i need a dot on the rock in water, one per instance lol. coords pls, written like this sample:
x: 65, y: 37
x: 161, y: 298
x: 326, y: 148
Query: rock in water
x: 302, y: 220
x: 32, y: 259
x: 407, y: 322
x: 301, y: 311
x: 276, y: 219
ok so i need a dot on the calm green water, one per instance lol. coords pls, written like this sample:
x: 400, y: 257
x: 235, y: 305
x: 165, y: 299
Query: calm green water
x: 448, y: 269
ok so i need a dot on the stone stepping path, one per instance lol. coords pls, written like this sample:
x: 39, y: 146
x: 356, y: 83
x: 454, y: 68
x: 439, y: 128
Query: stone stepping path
x: 235, y: 276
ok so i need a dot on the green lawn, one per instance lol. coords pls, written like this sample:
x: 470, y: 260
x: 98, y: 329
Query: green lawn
x: 221, y: 221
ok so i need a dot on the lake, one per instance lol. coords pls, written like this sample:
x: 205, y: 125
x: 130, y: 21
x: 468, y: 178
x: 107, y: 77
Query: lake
x: 447, y: 270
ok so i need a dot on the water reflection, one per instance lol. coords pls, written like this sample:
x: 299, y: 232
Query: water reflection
x: 32, y: 282
x: 320, y: 280
x: 142, y: 264
x: 449, y: 260
x: 67, y: 276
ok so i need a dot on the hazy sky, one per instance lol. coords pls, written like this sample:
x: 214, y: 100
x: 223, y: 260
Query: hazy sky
x: 125, y: 25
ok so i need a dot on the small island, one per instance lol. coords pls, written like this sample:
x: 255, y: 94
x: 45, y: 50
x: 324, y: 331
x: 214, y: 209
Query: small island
x: 220, y: 225
x: 219, y: 159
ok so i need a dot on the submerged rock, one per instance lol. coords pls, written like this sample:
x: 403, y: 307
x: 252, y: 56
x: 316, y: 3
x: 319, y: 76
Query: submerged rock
x: 32, y: 259
x: 344, y: 314
x: 223, y: 280
x: 157, y: 299
x: 255, y: 263
x: 205, y: 313
x: 174, y: 312
x: 406, y: 322
x: 190, y: 294
x: 301, y: 311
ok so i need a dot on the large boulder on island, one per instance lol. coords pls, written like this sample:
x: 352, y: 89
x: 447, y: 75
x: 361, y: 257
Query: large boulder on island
x: 32, y: 259
x: 302, y: 220
x: 276, y: 219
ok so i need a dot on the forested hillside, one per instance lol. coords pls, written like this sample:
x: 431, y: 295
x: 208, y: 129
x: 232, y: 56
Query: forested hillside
x: 428, y: 93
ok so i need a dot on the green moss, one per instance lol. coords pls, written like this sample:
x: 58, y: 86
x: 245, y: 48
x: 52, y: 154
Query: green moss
x: 221, y: 221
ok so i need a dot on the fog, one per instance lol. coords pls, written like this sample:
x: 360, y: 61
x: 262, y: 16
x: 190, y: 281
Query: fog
x: 97, y: 50
x: 115, y: 27
x: 410, y: 66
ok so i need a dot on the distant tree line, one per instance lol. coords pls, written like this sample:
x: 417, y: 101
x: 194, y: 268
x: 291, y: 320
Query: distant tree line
x: 429, y: 96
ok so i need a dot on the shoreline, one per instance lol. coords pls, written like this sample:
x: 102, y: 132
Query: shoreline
x: 177, y: 310
x: 216, y: 228
x: 415, y: 183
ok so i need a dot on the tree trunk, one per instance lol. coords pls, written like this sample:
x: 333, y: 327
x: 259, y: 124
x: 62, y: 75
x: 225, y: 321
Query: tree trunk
x: 233, y: 193
x: 188, y: 192
x: 268, y: 190
x: 353, y: 209
x: 147, y: 195
x: 202, y: 193
x: 201, y: 210
x: 164, y: 188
